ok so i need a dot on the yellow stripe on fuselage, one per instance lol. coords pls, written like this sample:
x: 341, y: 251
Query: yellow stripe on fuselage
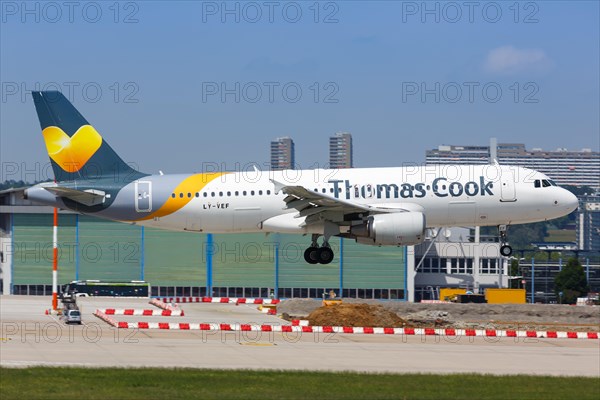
x: 191, y: 185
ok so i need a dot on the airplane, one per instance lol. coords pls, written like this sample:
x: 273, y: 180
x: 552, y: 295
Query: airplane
x: 373, y: 206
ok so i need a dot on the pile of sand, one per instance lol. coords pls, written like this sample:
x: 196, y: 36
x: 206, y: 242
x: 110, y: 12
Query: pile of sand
x: 356, y: 315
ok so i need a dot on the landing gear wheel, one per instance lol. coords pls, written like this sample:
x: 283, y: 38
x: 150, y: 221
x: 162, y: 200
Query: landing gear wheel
x: 506, y: 250
x: 325, y: 255
x: 311, y: 255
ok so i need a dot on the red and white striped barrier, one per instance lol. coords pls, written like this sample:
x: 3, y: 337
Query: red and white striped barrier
x: 163, y: 305
x: 131, y: 311
x: 300, y: 322
x: 109, y: 320
x: 351, y: 330
x: 224, y: 300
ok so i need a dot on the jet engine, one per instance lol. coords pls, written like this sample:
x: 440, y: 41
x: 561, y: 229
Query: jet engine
x: 394, y: 229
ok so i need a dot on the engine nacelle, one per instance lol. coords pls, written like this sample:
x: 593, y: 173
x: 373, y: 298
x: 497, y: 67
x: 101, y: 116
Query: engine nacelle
x: 395, y: 229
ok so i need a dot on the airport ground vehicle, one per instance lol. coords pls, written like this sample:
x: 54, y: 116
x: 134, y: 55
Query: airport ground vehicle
x: 71, y: 313
x: 72, y: 316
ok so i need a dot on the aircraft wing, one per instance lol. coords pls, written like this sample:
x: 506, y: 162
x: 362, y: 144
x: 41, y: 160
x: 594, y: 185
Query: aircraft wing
x: 88, y: 197
x: 314, y: 205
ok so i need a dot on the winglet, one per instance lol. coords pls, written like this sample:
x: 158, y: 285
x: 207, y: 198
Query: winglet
x: 278, y: 186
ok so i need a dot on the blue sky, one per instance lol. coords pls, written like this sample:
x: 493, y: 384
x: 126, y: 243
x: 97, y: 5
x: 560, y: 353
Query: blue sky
x: 400, y: 79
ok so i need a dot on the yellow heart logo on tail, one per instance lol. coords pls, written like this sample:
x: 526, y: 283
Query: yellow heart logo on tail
x: 71, y: 153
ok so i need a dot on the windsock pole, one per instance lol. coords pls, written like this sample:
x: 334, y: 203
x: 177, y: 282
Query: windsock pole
x: 55, y: 261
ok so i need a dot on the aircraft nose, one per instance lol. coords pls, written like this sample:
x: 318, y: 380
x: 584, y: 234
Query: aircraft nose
x: 567, y: 200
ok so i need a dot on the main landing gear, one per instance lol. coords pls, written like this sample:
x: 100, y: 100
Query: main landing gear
x: 505, y: 248
x: 318, y: 255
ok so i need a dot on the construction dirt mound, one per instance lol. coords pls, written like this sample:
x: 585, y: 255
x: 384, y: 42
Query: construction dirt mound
x: 361, y: 312
x: 356, y: 315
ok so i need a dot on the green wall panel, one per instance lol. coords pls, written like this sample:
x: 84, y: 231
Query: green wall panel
x: 373, y: 267
x: 113, y: 251
x: 294, y: 272
x: 243, y: 260
x: 108, y: 250
x: 174, y: 258
x: 32, y: 257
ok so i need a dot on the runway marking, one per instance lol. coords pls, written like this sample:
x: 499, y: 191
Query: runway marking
x: 258, y: 344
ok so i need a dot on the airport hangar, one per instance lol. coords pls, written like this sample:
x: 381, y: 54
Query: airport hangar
x: 230, y: 265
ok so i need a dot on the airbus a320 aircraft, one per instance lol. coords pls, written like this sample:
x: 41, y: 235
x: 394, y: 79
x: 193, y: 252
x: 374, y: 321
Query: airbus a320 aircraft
x: 374, y: 206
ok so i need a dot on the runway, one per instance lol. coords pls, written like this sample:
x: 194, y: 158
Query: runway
x: 29, y: 337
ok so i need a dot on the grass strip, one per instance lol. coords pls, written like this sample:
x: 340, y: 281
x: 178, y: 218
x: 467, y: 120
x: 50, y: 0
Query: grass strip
x: 158, y: 383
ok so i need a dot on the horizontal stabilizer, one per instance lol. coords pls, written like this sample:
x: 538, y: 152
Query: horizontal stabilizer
x: 90, y: 197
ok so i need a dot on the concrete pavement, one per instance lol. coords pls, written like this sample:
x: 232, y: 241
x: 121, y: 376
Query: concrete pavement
x: 28, y: 337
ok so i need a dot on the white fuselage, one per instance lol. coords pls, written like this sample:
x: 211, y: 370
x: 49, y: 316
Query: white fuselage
x: 448, y: 195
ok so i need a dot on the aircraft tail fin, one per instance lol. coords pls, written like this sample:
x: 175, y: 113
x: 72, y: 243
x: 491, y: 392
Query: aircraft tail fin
x: 76, y: 149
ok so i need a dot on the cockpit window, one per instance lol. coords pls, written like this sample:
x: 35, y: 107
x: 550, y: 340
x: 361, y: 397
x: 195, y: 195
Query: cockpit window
x: 543, y: 183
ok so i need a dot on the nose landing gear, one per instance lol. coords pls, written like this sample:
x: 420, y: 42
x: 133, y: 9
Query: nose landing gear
x: 505, y: 249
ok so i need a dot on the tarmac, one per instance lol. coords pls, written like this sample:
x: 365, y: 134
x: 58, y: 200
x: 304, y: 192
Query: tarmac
x: 29, y: 337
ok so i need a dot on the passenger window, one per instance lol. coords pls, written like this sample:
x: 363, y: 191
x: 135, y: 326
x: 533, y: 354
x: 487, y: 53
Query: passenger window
x: 173, y: 195
x: 537, y: 183
x: 220, y: 194
x: 268, y: 192
x: 205, y: 194
x: 252, y: 192
x: 212, y: 194
x: 260, y: 192
x: 228, y: 194
x: 324, y: 190
x: 181, y: 195
x: 237, y: 193
x: 197, y: 194
x: 244, y: 192
x: 189, y: 195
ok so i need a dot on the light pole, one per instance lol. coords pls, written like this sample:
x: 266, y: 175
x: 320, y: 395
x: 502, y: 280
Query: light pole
x: 533, y: 279
x: 518, y: 274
